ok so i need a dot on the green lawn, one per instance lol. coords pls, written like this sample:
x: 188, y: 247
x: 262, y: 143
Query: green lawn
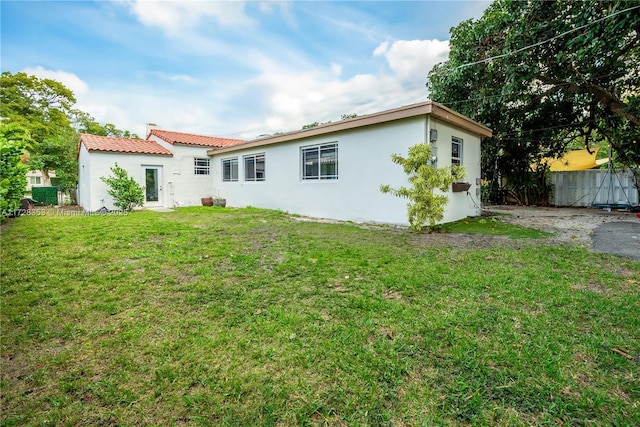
x: 213, y: 316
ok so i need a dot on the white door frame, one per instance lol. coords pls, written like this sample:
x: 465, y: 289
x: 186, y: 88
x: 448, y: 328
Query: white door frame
x: 149, y: 192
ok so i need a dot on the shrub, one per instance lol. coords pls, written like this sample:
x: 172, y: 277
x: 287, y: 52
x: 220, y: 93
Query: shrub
x: 424, y: 205
x: 13, y: 180
x: 126, y: 192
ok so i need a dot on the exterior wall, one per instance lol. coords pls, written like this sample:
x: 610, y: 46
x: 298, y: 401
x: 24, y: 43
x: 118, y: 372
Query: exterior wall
x: 364, y: 163
x: 179, y: 185
x: 92, y: 192
x: 84, y: 181
x: 461, y: 204
x: 184, y: 187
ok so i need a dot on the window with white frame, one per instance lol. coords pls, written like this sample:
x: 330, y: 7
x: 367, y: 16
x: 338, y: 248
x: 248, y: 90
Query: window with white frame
x: 254, y: 167
x: 201, y: 166
x: 230, y: 170
x: 34, y: 180
x: 320, y: 161
x: 456, y: 151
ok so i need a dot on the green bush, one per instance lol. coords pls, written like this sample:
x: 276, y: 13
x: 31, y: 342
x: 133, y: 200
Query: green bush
x: 424, y: 204
x: 126, y: 192
x: 13, y: 180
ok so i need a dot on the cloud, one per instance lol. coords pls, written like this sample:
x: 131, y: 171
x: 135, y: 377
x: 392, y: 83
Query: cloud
x: 381, y: 49
x: 410, y: 58
x: 69, y: 80
x: 176, y: 16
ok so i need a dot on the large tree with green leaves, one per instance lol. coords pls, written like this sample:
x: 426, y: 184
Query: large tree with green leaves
x: 43, y: 106
x: 542, y: 74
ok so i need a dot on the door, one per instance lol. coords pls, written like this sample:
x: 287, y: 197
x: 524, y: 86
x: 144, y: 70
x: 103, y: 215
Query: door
x: 153, y: 185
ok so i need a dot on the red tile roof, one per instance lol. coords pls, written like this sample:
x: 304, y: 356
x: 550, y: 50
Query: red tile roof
x: 122, y: 145
x: 192, y: 139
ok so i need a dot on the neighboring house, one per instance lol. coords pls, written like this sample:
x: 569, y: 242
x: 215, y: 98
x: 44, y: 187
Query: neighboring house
x: 173, y: 167
x: 335, y: 170
x: 36, y: 179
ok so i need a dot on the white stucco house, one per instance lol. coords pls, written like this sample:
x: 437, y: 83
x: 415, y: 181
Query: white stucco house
x: 173, y: 167
x: 329, y: 171
x: 335, y: 170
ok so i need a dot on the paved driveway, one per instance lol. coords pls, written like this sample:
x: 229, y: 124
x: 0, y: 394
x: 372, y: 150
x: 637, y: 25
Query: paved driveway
x: 618, y: 238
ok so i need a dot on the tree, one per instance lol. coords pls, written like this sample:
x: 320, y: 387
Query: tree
x: 542, y: 74
x: 13, y: 181
x: 126, y: 192
x: 43, y: 107
x: 85, y: 123
x: 424, y: 204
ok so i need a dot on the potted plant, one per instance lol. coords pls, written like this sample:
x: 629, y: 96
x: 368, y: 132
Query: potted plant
x: 207, y: 201
x: 458, y: 172
x: 457, y: 187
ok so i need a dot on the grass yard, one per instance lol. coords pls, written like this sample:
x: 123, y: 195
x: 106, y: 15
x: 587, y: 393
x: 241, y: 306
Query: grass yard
x: 212, y: 316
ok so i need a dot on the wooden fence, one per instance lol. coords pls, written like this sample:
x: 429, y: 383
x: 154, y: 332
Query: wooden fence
x: 589, y: 187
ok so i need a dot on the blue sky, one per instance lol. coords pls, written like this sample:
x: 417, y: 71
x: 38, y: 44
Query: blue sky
x: 231, y: 68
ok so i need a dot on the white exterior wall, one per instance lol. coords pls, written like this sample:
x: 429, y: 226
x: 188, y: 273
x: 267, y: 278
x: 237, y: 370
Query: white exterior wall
x: 461, y: 204
x: 84, y: 182
x: 179, y: 185
x: 364, y: 163
x: 184, y: 187
x: 92, y: 192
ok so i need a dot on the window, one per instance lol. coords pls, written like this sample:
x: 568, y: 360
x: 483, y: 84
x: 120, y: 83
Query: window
x: 254, y: 167
x: 230, y: 170
x: 320, y: 162
x: 201, y: 166
x: 456, y: 151
x: 34, y: 180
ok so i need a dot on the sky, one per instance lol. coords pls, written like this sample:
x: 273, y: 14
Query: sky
x: 236, y: 69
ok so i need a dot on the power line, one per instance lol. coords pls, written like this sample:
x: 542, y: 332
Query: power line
x: 522, y: 49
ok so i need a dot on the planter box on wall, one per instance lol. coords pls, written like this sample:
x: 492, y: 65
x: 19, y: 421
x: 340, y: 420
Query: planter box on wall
x: 458, y: 187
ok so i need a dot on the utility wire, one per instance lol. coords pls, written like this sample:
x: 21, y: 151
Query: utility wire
x: 522, y: 49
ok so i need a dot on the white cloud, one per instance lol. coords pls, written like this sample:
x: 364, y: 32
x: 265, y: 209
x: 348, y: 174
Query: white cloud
x: 411, y: 58
x: 69, y: 80
x: 381, y: 49
x: 176, y: 16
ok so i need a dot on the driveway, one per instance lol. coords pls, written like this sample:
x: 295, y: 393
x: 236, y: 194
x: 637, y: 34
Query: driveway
x: 615, y: 232
x: 618, y: 238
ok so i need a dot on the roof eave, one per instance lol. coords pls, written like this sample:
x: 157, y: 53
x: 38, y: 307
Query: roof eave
x: 429, y: 107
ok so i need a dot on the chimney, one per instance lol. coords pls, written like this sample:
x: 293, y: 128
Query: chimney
x: 150, y: 127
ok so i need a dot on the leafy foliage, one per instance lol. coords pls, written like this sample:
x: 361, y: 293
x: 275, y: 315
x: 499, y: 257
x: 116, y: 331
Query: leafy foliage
x: 13, y: 181
x: 126, y: 192
x: 424, y: 204
x: 542, y: 74
x: 85, y: 123
x: 43, y: 107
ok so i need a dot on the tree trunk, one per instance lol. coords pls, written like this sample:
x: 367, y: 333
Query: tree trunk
x: 46, y: 179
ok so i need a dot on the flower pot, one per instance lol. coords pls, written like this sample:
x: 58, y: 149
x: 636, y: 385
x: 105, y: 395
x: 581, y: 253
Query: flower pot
x: 220, y: 202
x: 207, y: 201
x: 458, y: 187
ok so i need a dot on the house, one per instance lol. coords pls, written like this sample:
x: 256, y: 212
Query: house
x: 329, y: 171
x: 173, y: 167
x: 36, y: 179
x: 335, y: 170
